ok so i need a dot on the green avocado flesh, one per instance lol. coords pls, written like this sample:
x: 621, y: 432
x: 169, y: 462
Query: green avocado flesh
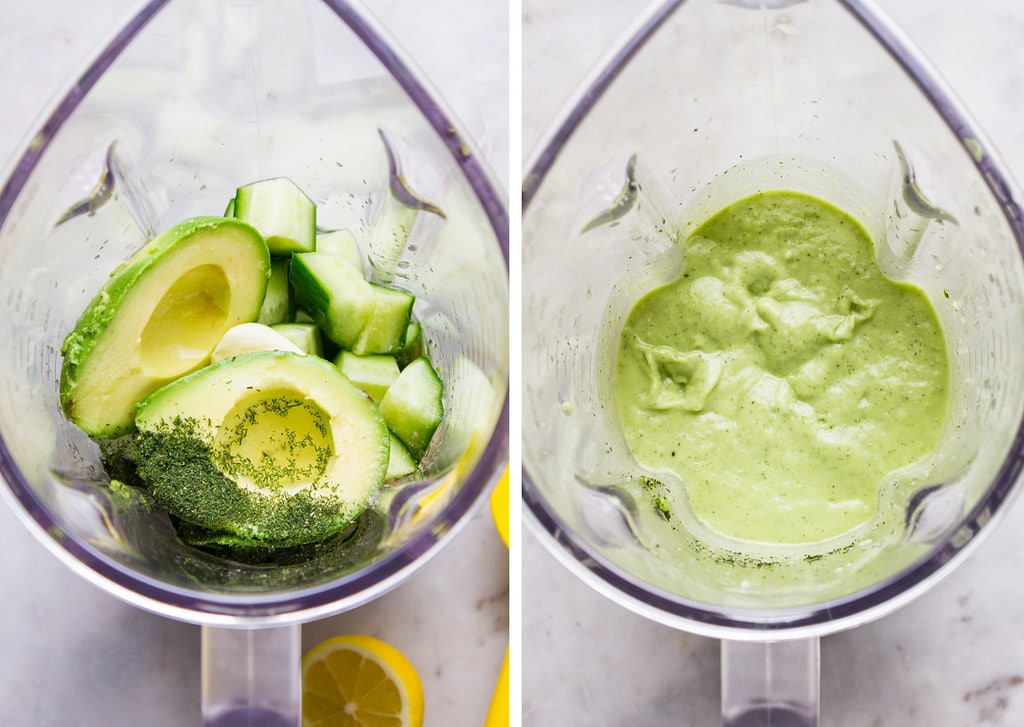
x: 158, y: 318
x: 270, y: 448
x: 782, y: 376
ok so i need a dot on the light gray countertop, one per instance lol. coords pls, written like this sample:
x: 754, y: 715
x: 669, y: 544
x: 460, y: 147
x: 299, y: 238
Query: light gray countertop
x: 74, y: 655
x: 953, y: 657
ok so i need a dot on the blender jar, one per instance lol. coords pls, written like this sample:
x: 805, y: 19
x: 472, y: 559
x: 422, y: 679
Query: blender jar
x: 163, y: 125
x: 704, y: 104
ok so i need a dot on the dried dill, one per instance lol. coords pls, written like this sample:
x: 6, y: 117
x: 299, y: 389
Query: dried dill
x: 657, y: 492
x: 181, y: 474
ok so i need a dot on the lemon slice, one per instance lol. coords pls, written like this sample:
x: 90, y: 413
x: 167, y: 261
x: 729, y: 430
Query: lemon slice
x: 500, y: 506
x: 498, y: 715
x: 358, y: 681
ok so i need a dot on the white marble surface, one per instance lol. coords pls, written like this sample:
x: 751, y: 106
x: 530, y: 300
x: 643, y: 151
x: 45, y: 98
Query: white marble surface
x: 953, y: 657
x: 74, y: 655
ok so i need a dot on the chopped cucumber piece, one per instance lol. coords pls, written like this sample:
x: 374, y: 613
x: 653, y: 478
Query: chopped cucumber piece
x: 334, y: 293
x: 412, y: 347
x: 229, y: 211
x: 400, y: 462
x: 302, y: 316
x: 277, y: 304
x: 412, y: 406
x: 158, y: 317
x: 343, y: 243
x: 250, y: 338
x: 373, y: 374
x: 282, y: 213
x: 357, y: 315
x: 384, y: 331
x: 305, y: 336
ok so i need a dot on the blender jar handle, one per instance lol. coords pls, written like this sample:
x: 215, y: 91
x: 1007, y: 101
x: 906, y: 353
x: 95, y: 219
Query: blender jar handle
x: 771, y: 683
x: 252, y: 676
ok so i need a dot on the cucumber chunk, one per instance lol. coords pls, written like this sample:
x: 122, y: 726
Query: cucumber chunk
x: 357, y: 315
x: 334, y: 293
x: 282, y: 213
x: 342, y: 243
x: 384, y: 331
x: 373, y: 374
x: 277, y: 304
x: 305, y: 336
x: 412, y: 406
x: 400, y: 462
x: 412, y: 346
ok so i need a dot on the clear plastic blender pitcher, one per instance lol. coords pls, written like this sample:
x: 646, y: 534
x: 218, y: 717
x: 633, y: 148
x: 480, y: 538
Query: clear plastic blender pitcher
x: 705, y: 103
x: 188, y: 101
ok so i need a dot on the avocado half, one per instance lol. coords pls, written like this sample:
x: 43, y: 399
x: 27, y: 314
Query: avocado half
x: 271, y: 448
x: 158, y: 318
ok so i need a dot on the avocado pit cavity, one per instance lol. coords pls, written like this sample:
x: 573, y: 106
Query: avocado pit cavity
x: 274, y: 440
x: 187, y: 322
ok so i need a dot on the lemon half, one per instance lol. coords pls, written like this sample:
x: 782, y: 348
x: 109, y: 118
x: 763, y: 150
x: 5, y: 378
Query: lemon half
x: 359, y: 681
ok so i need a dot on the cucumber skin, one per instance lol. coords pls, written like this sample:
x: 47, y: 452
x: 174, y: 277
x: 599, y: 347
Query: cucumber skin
x: 412, y: 344
x: 373, y: 374
x: 278, y: 304
x: 318, y: 300
x: 400, y: 461
x: 385, y: 329
x: 342, y: 243
x: 414, y: 426
x: 79, y: 344
x: 278, y: 245
x: 311, y: 341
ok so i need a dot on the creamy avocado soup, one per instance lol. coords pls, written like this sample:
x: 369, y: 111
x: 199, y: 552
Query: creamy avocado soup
x: 782, y: 376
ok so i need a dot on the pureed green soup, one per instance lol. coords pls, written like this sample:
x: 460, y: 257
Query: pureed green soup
x: 782, y: 376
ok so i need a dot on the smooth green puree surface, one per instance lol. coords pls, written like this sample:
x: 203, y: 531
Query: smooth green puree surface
x: 782, y: 376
